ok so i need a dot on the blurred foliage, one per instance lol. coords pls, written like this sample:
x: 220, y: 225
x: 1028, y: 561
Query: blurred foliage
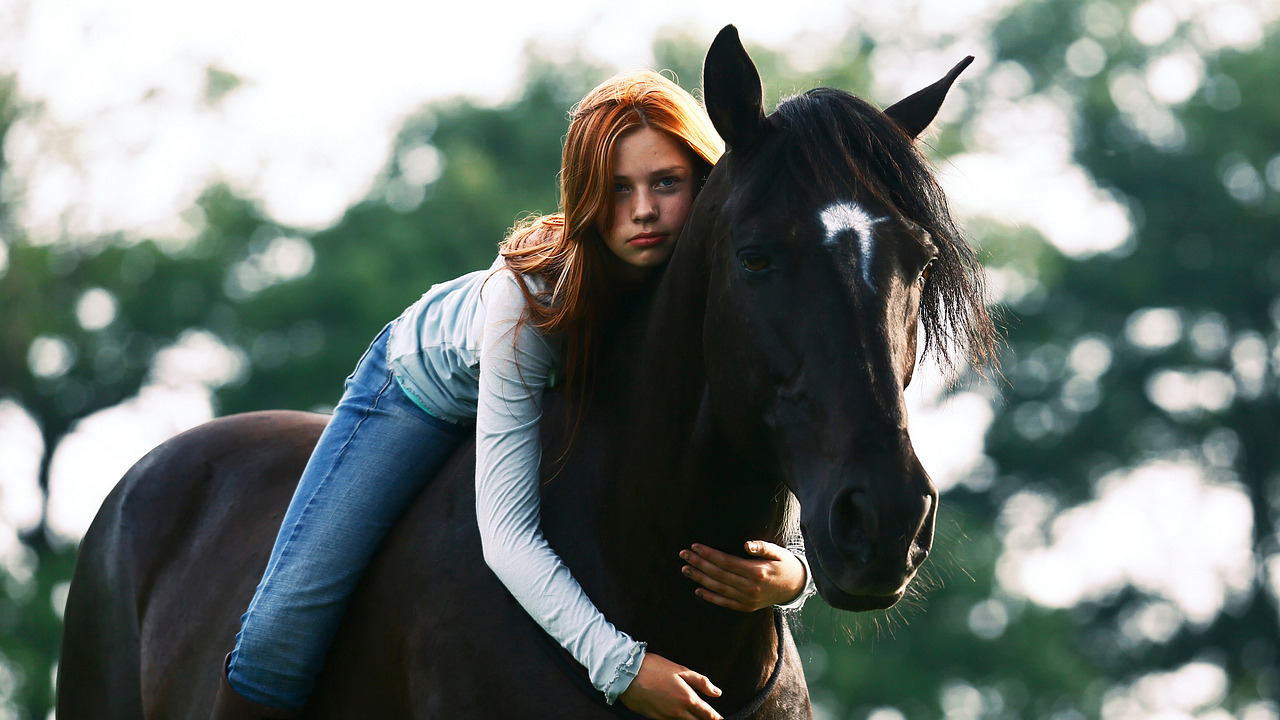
x: 299, y: 307
x: 1206, y: 248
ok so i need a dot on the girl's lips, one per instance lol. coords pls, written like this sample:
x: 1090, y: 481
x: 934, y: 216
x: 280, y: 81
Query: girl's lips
x: 647, y: 240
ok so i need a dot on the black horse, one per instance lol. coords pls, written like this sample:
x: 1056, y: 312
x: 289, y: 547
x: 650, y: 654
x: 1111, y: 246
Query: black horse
x: 770, y: 357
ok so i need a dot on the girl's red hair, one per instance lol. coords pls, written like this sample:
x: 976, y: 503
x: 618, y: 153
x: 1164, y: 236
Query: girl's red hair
x: 566, y: 248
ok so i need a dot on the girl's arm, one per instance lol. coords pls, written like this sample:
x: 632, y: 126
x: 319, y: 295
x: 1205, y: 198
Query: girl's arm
x: 514, y: 370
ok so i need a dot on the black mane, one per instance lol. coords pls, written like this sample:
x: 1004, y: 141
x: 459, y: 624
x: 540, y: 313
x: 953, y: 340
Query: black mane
x: 828, y: 143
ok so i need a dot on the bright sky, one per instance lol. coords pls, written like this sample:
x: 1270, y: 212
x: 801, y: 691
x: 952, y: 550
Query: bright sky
x: 125, y: 131
x: 124, y: 141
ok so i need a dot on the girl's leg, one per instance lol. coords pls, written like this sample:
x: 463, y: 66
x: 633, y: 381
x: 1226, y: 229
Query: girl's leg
x: 377, y: 452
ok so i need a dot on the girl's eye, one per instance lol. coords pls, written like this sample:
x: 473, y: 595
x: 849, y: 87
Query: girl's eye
x: 619, y: 188
x: 667, y: 182
x: 755, y: 262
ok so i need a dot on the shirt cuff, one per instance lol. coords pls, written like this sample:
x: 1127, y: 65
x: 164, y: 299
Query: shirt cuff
x: 625, y: 673
x: 809, y: 587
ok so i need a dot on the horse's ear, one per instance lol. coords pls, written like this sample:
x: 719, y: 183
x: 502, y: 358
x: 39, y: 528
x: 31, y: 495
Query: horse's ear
x: 731, y: 86
x: 914, y: 112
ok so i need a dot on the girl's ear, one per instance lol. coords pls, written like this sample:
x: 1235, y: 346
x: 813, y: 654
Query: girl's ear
x: 731, y: 86
x: 914, y: 112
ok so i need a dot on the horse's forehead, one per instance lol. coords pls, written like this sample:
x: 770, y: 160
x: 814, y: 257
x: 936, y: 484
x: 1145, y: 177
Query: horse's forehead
x: 844, y: 217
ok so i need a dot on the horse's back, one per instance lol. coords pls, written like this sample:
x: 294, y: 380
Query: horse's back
x: 174, y: 555
x: 171, y: 560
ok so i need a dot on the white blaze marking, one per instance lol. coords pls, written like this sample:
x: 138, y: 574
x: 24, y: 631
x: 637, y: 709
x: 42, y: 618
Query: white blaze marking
x: 844, y: 216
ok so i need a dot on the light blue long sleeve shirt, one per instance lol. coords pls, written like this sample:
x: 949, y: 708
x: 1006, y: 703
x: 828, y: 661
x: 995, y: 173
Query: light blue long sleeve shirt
x: 434, y: 351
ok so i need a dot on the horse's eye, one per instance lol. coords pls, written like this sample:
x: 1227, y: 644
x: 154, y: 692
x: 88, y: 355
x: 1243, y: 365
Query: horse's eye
x: 924, y: 274
x: 755, y: 262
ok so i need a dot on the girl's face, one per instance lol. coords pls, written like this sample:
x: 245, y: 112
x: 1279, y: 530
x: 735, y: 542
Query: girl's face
x: 653, y: 184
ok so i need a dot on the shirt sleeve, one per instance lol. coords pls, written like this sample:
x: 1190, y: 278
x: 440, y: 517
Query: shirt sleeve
x: 795, y: 544
x: 515, y: 366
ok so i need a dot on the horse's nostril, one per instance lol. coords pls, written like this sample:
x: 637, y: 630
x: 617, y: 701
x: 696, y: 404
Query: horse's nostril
x: 865, y: 511
x: 855, y: 524
x: 918, y: 556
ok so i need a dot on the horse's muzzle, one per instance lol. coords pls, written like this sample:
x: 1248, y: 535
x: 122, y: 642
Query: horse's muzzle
x: 869, y: 541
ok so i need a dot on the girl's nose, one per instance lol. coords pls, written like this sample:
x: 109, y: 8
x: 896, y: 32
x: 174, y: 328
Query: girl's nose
x: 645, y: 210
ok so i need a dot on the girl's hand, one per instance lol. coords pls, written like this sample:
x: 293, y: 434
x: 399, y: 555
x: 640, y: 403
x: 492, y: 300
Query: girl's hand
x: 664, y: 690
x: 745, y: 584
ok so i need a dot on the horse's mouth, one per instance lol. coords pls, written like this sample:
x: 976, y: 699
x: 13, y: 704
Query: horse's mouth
x: 842, y: 600
x: 839, y: 598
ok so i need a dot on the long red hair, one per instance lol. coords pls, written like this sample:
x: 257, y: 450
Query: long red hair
x: 566, y: 248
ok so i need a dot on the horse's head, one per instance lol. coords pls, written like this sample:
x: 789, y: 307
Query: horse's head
x: 829, y: 243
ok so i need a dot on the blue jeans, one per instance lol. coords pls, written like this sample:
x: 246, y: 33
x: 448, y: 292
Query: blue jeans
x: 373, y: 458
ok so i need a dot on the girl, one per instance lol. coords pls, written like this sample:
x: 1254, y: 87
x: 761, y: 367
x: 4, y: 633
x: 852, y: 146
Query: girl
x: 475, y: 355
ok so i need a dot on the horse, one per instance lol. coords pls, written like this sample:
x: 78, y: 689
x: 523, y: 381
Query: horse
x: 767, y: 362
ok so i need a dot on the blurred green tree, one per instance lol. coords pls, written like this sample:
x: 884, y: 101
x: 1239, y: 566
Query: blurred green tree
x: 1185, y: 132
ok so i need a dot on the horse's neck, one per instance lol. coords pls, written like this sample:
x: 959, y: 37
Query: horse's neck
x: 659, y: 449
x: 675, y: 482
